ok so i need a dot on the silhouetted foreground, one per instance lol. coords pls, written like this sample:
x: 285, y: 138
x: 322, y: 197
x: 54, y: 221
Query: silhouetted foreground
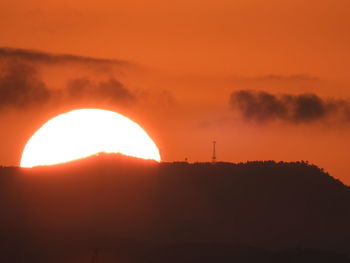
x: 131, y: 210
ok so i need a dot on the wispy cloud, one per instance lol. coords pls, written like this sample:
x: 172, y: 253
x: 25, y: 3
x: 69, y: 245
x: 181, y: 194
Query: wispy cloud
x: 296, y: 77
x: 43, y: 57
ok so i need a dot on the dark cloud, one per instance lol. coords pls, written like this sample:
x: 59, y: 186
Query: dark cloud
x: 48, y: 58
x: 259, y: 106
x: 78, y: 87
x: 21, y: 86
x: 111, y: 90
x: 114, y: 90
x: 262, y: 106
x: 306, y: 107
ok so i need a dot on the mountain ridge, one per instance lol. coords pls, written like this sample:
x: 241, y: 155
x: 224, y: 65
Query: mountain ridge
x: 105, y: 200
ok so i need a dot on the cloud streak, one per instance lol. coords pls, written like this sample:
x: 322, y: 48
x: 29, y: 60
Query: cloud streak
x: 288, y: 78
x: 261, y: 106
x: 34, y: 56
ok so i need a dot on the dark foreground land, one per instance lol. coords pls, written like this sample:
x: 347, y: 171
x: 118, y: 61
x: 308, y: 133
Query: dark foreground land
x: 117, y: 209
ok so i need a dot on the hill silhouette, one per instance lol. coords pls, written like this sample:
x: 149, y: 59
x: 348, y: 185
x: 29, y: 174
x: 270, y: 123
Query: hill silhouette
x: 133, y: 210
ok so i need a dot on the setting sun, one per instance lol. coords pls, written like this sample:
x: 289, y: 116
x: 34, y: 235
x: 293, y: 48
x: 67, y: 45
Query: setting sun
x: 81, y: 133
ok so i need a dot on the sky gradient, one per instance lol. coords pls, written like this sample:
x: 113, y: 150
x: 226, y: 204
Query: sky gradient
x: 265, y: 79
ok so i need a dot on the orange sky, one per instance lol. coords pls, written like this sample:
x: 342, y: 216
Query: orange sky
x: 242, y: 37
x: 187, y: 58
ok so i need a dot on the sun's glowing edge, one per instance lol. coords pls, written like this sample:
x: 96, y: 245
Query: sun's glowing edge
x: 134, y: 140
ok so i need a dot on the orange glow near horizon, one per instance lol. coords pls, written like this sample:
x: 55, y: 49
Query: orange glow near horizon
x: 85, y: 132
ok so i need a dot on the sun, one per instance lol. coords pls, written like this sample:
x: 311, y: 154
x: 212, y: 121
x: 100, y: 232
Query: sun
x: 85, y: 132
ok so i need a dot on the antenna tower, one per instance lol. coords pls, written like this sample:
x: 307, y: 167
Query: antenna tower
x: 213, y: 158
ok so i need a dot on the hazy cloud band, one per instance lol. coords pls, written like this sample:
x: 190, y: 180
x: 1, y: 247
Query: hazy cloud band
x: 261, y: 106
x: 21, y: 85
x: 43, y: 57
